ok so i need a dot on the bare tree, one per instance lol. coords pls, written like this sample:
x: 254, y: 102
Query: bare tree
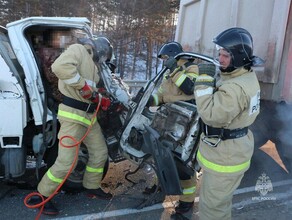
x: 136, y: 28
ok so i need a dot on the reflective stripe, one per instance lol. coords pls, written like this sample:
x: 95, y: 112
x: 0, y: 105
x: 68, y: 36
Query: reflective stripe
x: 75, y: 117
x: 155, y: 97
x: 190, y: 190
x: 201, y: 92
x: 204, y: 78
x: 180, y: 80
x: 74, y: 79
x: 220, y: 168
x: 94, y: 170
x: 91, y: 83
x: 53, y: 178
x: 179, y: 68
x: 193, y: 75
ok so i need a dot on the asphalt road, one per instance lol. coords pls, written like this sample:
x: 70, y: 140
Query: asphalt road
x: 248, y: 203
x: 128, y: 197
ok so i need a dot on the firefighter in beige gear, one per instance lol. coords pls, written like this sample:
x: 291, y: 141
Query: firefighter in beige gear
x: 177, y: 85
x: 78, y: 71
x: 226, y: 145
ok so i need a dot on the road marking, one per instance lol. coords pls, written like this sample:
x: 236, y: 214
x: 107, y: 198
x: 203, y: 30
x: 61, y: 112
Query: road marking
x: 129, y: 211
x: 120, y: 212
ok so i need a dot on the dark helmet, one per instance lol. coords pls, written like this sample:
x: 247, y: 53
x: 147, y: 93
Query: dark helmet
x: 238, y: 42
x: 102, y: 48
x: 171, y: 49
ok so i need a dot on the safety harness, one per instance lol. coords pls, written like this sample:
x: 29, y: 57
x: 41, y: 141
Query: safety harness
x: 225, y: 134
x: 221, y: 134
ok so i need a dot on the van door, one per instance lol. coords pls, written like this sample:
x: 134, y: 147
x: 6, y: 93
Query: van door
x: 27, y: 36
x: 13, y: 111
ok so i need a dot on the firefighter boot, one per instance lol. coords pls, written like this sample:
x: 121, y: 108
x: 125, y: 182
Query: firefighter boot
x: 98, y: 193
x: 183, y: 207
x: 186, y: 201
x: 49, y: 208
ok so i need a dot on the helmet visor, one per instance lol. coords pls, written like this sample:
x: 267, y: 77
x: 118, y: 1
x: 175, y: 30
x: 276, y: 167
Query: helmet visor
x: 222, y: 57
x: 164, y: 57
x: 103, y: 49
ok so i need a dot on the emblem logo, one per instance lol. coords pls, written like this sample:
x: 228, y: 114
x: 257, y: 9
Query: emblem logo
x: 263, y: 185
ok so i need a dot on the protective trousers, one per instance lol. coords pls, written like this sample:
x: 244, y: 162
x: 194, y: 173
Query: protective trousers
x: 216, y: 194
x: 97, y: 152
x: 189, y: 189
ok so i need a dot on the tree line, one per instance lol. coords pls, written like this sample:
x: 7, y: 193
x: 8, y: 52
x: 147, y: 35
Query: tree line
x: 136, y: 28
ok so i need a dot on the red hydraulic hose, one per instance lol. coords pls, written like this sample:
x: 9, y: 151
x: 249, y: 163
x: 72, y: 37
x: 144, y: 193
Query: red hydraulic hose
x: 76, y: 144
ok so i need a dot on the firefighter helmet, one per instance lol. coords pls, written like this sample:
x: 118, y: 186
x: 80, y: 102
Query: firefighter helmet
x: 170, y: 49
x: 238, y: 42
x: 102, y: 48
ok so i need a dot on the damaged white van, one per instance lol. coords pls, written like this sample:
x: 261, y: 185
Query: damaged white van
x: 28, y: 90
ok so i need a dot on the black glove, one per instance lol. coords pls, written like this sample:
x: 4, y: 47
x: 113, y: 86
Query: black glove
x: 171, y: 63
x: 207, y: 69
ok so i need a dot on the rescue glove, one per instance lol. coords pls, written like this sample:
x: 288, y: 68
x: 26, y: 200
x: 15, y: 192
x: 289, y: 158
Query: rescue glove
x: 207, y: 69
x: 207, y: 72
x: 103, y: 92
x: 205, y: 80
x: 87, y: 93
x: 105, y: 103
x: 171, y: 63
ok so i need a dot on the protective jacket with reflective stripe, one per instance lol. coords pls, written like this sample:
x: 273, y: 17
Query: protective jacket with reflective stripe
x: 235, y: 104
x: 73, y: 67
x: 169, y: 90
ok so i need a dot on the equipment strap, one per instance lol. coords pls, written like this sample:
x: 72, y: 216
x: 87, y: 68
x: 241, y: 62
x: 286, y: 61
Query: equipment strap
x: 83, y: 106
x: 224, y: 134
